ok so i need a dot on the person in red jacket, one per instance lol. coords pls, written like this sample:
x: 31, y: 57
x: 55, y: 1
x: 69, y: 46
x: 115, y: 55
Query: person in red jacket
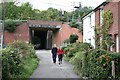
x: 60, y: 55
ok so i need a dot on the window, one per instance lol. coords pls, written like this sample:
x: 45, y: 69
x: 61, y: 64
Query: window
x: 101, y: 13
x: 117, y: 43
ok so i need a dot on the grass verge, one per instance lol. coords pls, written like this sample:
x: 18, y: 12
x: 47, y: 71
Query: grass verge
x: 30, y: 64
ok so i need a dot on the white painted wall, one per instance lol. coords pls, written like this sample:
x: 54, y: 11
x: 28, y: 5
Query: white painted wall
x: 88, y: 28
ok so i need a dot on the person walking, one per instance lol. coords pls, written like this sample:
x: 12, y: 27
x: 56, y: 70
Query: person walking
x: 60, y: 55
x: 54, y: 53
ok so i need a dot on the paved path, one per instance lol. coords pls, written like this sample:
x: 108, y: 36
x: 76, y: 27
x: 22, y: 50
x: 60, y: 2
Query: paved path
x: 47, y: 69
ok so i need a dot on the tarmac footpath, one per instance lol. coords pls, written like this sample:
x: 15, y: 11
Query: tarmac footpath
x: 48, y: 70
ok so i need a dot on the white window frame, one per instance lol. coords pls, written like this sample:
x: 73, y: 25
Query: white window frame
x: 117, y: 43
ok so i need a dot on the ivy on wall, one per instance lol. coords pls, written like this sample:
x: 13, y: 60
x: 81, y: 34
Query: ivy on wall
x: 106, y: 24
x: 10, y: 25
x: 102, y: 31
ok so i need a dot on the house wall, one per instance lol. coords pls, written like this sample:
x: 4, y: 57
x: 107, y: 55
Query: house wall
x: 114, y: 7
x: 88, y: 29
x: 119, y: 24
x: 97, y: 18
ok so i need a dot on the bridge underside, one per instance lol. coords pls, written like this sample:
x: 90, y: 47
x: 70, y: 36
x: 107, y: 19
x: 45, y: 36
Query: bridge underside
x: 41, y: 37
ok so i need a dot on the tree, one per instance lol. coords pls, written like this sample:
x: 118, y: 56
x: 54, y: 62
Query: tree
x: 82, y: 12
x: 25, y: 11
x: 11, y: 10
x: 73, y: 24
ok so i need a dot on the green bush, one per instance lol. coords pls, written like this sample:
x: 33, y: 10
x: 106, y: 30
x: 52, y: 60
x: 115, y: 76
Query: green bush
x: 12, y: 63
x: 73, y: 24
x: 93, y: 63
x: 116, y: 58
x: 99, y: 61
x: 24, y: 48
x: 10, y: 25
x: 99, y: 64
x: 71, y: 50
x: 19, y: 60
x: 78, y: 61
x: 73, y: 38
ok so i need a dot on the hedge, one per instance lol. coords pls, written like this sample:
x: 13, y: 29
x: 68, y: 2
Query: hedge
x: 15, y: 58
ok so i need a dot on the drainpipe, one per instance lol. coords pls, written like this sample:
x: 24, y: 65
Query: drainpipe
x: 47, y: 39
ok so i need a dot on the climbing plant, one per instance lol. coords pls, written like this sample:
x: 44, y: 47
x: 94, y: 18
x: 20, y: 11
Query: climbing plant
x: 10, y: 25
x: 106, y: 24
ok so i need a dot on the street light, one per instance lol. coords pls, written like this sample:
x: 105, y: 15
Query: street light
x: 3, y: 22
x: 78, y: 7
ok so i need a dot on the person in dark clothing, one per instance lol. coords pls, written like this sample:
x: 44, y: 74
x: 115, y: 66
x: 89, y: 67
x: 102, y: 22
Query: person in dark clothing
x: 54, y: 53
x: 60, y: 55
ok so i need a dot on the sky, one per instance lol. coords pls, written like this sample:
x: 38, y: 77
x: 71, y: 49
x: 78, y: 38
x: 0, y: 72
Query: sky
x: 66, y: 5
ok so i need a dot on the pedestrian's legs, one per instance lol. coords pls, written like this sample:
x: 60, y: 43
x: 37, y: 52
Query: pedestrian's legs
x: 61, y: 58
x: 54, y: 58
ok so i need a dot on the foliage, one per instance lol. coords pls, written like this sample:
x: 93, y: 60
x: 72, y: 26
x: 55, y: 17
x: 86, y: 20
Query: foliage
x: 11, y: 10
x: 25, y: 11
x: 78, y: 14
x: 72, y: 49
x: 83, y: 11
x: 92, y: 63
x: 30, y: 64
x: 12, y: 63
x: 67, y: 41
x: 78, y: 61
x: 73, y: 24
x: 10, y: 25
x: 73, y: 38
x: 99, y: 64
x: 15, y: 60
x: 106, y: 24
x: 109, y: 40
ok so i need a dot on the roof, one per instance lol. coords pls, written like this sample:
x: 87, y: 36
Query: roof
x: 98, y: 7
x: 45, y: 24
x: 102, y: 4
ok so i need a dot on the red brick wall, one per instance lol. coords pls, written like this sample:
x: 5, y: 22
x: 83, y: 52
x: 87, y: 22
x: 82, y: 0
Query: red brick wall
x: 21, y: 33
x: 113, y: 7
x: 8, y: 37
x: 119, y: 24
x: 64, y: 34
x: 97, y: 18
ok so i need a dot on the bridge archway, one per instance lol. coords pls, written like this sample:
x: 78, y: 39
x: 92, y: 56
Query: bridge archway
x: 41, y: 33
x: 41, y: 38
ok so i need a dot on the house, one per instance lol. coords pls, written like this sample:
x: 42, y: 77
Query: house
x: 88, y: 28
x: 114, y: 30
x: 42, y: 33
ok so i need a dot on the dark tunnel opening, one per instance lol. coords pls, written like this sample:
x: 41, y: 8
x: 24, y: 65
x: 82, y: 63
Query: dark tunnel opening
x: 40, y: 39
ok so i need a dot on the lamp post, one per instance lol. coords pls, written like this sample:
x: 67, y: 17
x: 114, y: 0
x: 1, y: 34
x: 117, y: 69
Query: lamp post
x: 78, y: 7
x: 4, y: 11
